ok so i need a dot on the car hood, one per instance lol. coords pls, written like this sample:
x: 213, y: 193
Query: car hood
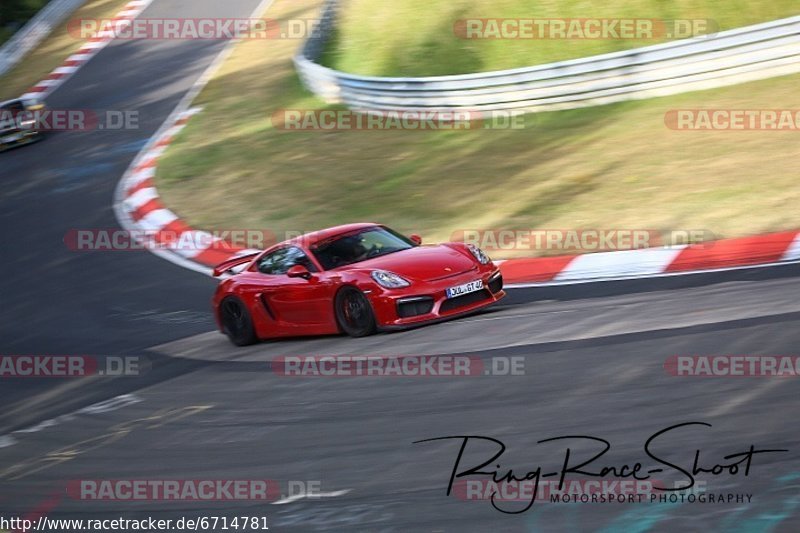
x: 423, y: 263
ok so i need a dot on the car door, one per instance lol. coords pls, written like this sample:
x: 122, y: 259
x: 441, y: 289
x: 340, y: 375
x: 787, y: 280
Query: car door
x: 296, y: 301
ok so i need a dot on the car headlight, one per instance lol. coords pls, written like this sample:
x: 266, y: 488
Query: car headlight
x: 32, y: 104
x: 479, y: 254
x: 389, y: 280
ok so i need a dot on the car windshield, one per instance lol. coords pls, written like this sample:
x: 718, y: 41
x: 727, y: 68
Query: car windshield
x: 356, y: 247
x: 9, y: 113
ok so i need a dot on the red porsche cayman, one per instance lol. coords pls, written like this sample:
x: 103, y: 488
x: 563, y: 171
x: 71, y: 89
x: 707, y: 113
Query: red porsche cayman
x: 354, y: 279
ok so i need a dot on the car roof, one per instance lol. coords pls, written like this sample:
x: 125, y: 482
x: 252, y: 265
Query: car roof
x: 315, y: 237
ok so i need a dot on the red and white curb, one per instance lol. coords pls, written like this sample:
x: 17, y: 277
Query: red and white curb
x: 86, y: 52
x: 139, y: 208
x: 136, y: 202
x: 728, y: 254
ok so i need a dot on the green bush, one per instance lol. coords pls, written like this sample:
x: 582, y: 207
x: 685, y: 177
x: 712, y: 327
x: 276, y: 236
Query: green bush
x: 15, y: 13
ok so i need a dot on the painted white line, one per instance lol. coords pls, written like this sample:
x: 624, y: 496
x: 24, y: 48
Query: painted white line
x: 193, y: 110
x: 296, y: 497
x: 38, y: 427
x: 118, y: 402
x: 113, y: 404
x: 174, y: 130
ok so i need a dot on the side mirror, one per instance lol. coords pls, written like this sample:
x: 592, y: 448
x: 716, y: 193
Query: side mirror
x: 298, y: 271
x: 416, y: 239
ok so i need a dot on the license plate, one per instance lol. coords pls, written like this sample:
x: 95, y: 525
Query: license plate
x: 466, y: 288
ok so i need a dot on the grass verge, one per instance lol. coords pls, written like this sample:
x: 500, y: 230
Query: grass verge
x: 417, y: 37
x: 53, y: 50
x: 606, y: 167
x: 15, y: 14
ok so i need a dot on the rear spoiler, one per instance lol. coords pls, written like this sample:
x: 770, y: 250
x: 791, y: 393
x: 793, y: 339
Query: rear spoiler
x: 230, y: 264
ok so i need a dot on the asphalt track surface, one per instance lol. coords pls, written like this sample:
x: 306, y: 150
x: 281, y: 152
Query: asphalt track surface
x: 593, y: 357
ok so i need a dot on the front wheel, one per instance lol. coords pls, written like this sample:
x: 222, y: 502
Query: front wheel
x: 236, y: 322
x: 354, y: 313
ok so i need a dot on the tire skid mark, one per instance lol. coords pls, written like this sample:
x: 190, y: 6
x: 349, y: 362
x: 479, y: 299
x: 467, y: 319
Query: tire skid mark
x: 118, y: 402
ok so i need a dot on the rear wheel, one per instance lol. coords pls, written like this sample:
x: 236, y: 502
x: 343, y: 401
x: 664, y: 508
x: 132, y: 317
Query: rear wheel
x: 236, y: 322
x: 354, y: 313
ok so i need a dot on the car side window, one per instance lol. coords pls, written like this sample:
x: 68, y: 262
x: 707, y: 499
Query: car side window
x: 281, y: 260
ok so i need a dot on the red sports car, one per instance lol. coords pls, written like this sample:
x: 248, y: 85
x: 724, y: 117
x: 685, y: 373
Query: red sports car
x: 354, y: 279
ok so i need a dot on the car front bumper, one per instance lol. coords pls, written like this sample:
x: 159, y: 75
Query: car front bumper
x: 427, y: 302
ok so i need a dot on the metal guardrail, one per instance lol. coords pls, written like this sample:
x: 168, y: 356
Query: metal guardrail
x: 32, y: 33
x: 735, y: 56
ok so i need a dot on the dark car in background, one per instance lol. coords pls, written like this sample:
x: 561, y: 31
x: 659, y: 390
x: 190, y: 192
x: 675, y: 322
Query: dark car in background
x: 18, y: 124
